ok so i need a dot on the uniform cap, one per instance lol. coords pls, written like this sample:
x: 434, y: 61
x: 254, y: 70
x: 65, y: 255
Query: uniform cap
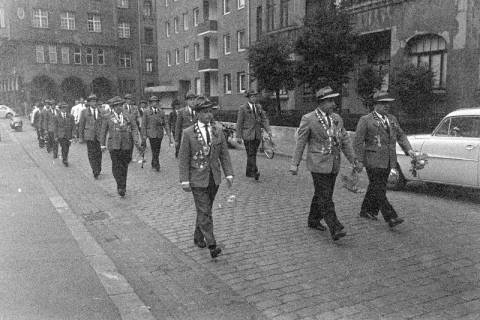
x: 153, y: 98
x: 128, y: 96
x: 92, y: 97
x: 190, y: 95
x: 383, y: 96
x: 116, y: 101
x: 326, y: 93
x: 251, y: 92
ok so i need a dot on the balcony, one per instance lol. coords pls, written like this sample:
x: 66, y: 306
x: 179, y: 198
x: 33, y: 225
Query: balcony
x: 355, y: 6
x: 206, y: 27
x: 208, y: 65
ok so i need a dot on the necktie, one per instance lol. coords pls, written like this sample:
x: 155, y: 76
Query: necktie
x: 385, y: 121
x: 207, y: 134
x: 155, y: 110
x: 254, y: 109
x: 64, y: 116
x: 328, y: 121
x: 95, y: 114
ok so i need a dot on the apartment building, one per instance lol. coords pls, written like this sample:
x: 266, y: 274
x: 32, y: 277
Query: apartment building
x: 69, y: 48
x: 203, y: 48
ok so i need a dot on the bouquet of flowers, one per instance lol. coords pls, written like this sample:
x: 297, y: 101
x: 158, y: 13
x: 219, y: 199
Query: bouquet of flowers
x: 419, y: 160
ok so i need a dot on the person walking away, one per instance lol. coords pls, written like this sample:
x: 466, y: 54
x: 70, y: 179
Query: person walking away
x: 251, y: 119
x: 122, y: 136
x: 375, y: 142
x: 203, y: 150
x: 90, y: 126
x: 64, y: 130
x: 323, y: 131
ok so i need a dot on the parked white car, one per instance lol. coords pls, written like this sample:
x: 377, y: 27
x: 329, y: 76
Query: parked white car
x: 452, y: 149
x: 6, y: 112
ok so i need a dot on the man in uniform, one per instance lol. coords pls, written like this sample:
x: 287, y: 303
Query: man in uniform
x: 185, y: 118
x: 203, y: 150
x: 90, y: 126
x: 325, y: 135
x: 64, y: 129
x: 76, y: 111
x: 250, y: 120
x: 122, y: 136
x: 37, y: 123
x: 154, y: 122
x: 172, y: 117
x: 375, y: 146
x: 131, y: 110
x: 52, y: 112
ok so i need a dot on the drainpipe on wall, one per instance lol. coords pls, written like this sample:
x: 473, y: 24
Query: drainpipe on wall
x: 248, y: 35
x: 140, y: 69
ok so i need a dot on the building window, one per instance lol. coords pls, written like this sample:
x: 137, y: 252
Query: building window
x: 39, y: 54
x: 431, y: 51
x: 126, y: 86
x: 227, y: 83
x: 226, y: 44
x: 148, y: 65
x: 259, y: 22
x: 241, y: 43
x: 93, y: 22
x: 122, y: 4
x: 196, y: 51
x: 177, y: 56
x: 147, y: 8
x: 226, y: 6
x: 186, y: 54
x: 125, y: 60
x: 185, y: 21
x: 241, y: 4
x: 175, y: 24
x: 270, y: 15
x: 52, y: 54
x: 2, y: 18
x: 40, y: 18
x: 77, y: 56
x: 89, y: 56
x: 124, y: 30
x: 196, y: 16
x: 241, y: 82
x: 169, y: 59
x: 197, y: 86
x: 65, y: 55
x: 148, y: 35
x: 284, y: 13
x: 167, y: 29
x: 67, y: 20
x: 101, y: 56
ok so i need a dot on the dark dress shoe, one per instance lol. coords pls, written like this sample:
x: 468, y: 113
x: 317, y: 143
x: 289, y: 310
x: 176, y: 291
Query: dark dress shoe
x: 215, y: 252
x: 394, y: 222
x: 121, y: 192
x: 65, y: 163
x: 368, y: 216
x: 257, y: 176
x: 317, y: 226
x: 201, y: 244
x: 95, y: 175
x: 338, y: 234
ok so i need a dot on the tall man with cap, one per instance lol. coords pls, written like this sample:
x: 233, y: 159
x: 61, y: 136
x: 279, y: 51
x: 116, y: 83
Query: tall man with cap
x: 90, y: 126
x: 250, y: 120
x: 375, y: 145
x: 185, y: 118
x: 122, y: 137
x: 52, y: 112
x: 323, y: 131
x: 76, y: 111
x: 202, y: 151
x: 131, y: 110
x: 154, y: 123
x: 64, y: 129
x: 37, y: 123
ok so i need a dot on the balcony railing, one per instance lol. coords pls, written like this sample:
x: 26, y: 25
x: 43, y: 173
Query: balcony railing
x: 208, y: 26
x: 364, y: 5
x: 207, y: 65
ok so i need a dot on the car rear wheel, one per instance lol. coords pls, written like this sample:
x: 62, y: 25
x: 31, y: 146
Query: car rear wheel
x: 396, y: 179
x: 8, y: 115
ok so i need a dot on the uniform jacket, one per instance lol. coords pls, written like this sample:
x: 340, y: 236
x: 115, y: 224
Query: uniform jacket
x: 184, y: 120
x: 43, y: 119
x: 372, y: 152
x: 37, y: 118
x: 131, y: 111
x: 153, y: 124
x: 64, y: 127
x: 195, y: 165
x: 49, y: 120
x: 249, y: 124
x: 120, y: 136
x: 323, y: 153
x: 89, y: 128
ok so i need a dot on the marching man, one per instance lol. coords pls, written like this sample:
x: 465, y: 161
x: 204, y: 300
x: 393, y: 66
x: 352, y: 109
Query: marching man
x: 64, y: 128
x: 203, y: 150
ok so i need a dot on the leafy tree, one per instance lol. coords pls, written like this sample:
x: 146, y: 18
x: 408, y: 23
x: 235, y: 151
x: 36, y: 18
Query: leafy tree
x: 326, y: 44
x: 271, y: 65
x: 72, y: 88
x: 369, y: 81
x: 413, y: 86
x: 43, y: 87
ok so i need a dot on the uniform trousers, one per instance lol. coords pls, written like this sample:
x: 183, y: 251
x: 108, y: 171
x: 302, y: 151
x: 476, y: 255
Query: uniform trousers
x: 376, y: 195
x: 65, y: 145
x: 94, y: 152
x: 41, y: 141
x: 52, y: 145
x: 322, y: 206
x: 203, y: 198
x: 155, y: 144
x: 251, y: 147
x: 120, y: 160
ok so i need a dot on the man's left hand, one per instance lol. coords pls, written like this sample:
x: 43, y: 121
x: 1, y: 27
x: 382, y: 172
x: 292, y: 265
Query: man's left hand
x: 411, y: 153
x: 229, y: 181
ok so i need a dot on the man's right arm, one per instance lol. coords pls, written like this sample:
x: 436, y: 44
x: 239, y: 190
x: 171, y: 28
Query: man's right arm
x: 178, y: 127
x: 239, y: 125
x: 359, y: 141
x: 81, y: 125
